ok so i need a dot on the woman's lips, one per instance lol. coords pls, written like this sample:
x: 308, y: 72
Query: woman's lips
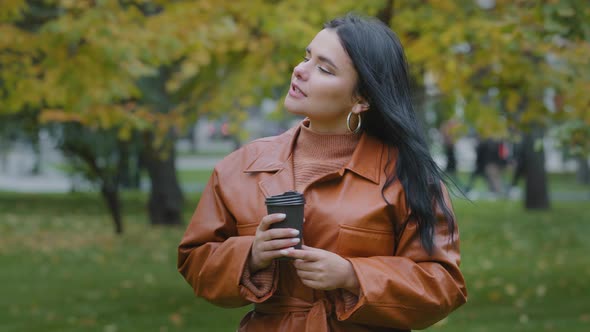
x: 296, y: 92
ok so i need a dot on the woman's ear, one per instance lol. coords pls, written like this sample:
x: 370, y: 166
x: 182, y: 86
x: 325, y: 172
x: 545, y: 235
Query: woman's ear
x: 361, y: 106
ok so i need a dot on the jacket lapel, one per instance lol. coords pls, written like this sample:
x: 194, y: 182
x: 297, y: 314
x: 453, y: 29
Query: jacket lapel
x: 281, y: 181
x: 366, y: 160
x: 278, y: 159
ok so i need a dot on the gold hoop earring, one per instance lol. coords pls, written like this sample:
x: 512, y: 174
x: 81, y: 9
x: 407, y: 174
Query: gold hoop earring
x: 358, y: 125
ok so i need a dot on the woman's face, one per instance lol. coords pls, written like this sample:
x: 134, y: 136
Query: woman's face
x: 323, y: 84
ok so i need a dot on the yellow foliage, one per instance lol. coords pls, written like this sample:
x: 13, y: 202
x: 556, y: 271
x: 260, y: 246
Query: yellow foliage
x: 124, y: 133
x: 51, y: 115
x: 221, y: 56
x: 11, y: 10
x: 512, y: 101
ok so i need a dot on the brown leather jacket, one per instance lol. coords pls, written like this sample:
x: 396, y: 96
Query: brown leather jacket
x: 402, y: 287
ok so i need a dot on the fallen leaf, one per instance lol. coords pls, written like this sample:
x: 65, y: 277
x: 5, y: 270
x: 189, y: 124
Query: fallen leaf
x: 510, y: 289
x: 110, y: 328
x: 176, y: 319
x: 494, y: 296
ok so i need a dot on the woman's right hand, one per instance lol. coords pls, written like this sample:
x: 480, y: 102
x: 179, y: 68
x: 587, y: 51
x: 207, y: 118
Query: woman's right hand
x: 271, y: 243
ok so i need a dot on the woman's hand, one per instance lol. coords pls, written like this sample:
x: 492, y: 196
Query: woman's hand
x: 271, y: 243
x: 324, y: 270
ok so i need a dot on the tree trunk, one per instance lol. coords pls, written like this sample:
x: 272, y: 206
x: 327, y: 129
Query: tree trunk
x: 36, y: 146
x: 111, y: 196
x: 583, y: 173
x: 4, y: 149
x: 109, y: 181
x: 386, y: 13
x: 129, y: 166
x: 536, y: 192
x: 194, y: 137
x: 166, y: 199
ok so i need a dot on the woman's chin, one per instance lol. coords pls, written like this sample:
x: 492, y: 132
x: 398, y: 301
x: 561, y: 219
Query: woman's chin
x: 293, y: 109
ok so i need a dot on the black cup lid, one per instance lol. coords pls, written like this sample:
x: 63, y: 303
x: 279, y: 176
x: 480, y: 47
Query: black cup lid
x: 289, y: 197
x: 285, y: 202
x: 290, y: 193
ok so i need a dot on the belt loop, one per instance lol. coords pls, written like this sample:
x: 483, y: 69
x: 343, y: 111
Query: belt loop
x: 317, y: 319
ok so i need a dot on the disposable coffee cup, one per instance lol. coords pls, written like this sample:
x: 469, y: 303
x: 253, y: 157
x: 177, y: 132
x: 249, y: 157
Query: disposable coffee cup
x: 290, y: 203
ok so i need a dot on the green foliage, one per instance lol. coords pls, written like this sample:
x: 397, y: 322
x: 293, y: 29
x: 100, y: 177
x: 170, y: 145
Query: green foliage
x: 11, y: 10
x: 68, y: 272
x: 500, y: 62
x: 573, y: 136
x: 77, y: 59
x: 98, y: 155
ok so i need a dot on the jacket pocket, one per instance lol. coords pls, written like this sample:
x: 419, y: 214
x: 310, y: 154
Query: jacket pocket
x: 363, y: 242
x: 247, y: 229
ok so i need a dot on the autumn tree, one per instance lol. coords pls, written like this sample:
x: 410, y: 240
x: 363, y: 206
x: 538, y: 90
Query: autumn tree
x: 114, y: 74
x: 133, y: 74
x: 78, y: 64
x: 499, y: 61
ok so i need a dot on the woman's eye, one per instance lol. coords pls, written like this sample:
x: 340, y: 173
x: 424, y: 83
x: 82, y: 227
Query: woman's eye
x: 305, y: 59
x: 324, y: 70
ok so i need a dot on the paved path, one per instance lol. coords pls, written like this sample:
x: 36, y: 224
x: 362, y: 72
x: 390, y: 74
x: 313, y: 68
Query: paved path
x: 573, y: 196
x: 35, y: 184
x: 58, y: 183
x: 192, y: 163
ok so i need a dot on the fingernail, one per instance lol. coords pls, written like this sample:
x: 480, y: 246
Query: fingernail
x: 295, y: 240
x: 295, y: 232
x: 282, y: 215
x: 284, y: 252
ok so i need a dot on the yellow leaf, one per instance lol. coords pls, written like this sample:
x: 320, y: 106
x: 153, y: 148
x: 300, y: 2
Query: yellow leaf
x: 124, y: 133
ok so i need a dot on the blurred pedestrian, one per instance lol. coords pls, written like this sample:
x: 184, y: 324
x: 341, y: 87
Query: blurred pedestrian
x: 518, y: 169
x: 490, y: 159
x: 448, y: 132
x: 518, y: 164
x: 380, y: 239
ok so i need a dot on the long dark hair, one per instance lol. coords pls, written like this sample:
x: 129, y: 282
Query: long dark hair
x: 383, y: 80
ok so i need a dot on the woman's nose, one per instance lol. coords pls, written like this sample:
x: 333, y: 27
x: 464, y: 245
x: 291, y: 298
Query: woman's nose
x: 300, y: 71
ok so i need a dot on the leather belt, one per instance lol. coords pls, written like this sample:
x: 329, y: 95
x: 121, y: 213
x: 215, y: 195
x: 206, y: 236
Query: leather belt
x: 317, y: 318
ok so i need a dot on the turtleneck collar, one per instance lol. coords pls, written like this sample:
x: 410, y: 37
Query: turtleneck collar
x: 311, y: 143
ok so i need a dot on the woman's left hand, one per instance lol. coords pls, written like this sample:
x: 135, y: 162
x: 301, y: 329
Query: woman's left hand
x: 324, y: 270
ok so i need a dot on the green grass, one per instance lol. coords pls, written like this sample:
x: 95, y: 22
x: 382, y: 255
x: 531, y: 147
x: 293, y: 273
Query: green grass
x: 63, y: 269
x: 565, y: 182
x: 525, y: 271
x: 196, y: 176
x: 214, y: 153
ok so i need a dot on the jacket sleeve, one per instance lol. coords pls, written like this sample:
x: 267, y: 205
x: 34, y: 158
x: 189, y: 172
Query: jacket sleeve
x: 410, y: 290
x: 212, y: 257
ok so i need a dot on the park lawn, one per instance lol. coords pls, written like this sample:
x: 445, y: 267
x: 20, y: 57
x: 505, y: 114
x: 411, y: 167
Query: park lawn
x: 194, y: 176
x: 63, y: 269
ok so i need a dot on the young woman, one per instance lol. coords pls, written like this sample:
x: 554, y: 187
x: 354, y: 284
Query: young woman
x: 380, y: 243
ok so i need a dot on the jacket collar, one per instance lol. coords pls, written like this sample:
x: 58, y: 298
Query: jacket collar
x: 276, y: 155
x: 366, y: 160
